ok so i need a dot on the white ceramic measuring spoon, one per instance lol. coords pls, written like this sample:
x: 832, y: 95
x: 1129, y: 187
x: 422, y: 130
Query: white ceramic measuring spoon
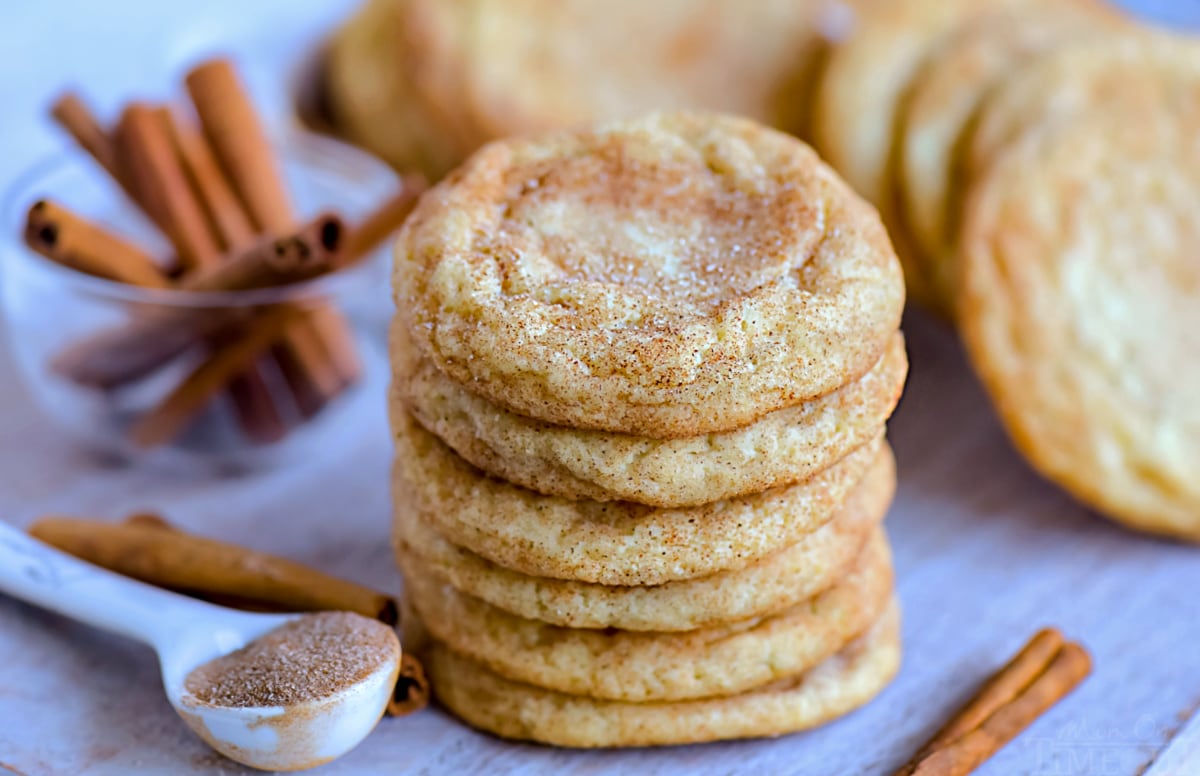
x: 186, y: 634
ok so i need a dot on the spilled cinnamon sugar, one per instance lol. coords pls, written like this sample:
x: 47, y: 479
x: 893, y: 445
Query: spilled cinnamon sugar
x: 308, y: 659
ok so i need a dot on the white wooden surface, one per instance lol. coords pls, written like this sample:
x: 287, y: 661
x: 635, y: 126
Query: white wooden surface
x: 986, y: 553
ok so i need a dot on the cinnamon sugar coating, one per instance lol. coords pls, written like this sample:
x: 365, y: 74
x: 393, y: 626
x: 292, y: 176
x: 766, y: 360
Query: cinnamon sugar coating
x: 308, y: 659
x: 669, y: 276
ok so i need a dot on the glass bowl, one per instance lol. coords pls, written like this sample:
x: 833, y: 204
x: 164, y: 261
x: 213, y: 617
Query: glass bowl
x: 52, y: 311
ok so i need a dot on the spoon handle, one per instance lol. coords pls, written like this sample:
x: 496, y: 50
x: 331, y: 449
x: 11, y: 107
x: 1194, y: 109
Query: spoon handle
x: 41, y: 575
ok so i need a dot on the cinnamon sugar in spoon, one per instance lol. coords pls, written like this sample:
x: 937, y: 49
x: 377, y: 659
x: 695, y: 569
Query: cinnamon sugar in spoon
x: 276, y: 692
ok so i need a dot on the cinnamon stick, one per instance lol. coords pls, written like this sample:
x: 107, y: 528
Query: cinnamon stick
x: 146, y: 156
x: 157, y: 521
x: 172, y: 416
x: 71, y: 240
x: 412, y: 688
x: 336, y: 343
x: 386, y: 219
x: 254, y: 405
x: 1044, y: 672
x: 312, y: 376
x: 313, y: 250
x: 72, y: 114
x: 226, y: 218
x: 240, y: 143
x: 195, y: 565
x: 1003, y: 687
x: 119, y: 356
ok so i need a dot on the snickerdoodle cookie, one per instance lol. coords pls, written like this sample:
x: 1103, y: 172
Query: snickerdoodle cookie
x: 471, y: 71
x: 611, y: 543
x: 1079, y: 288
x: 511, y: 709
x: 778, y: 581
x: 632, y: 666
x: 863, y: 88
x: 869, y: 72
x: 544, y: 64
x: 782, y: 448
x: 668, y: 276
x: 1134, y: 68
x: 944, y: 98
x: 372, y: 95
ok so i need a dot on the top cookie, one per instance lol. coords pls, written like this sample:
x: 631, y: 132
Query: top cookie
x: 1079, y: 287
x: 670, y: 276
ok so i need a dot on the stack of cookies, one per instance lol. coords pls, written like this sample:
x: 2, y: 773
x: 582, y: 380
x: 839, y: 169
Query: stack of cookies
x: 642, y: 373
x: 1038, y: 168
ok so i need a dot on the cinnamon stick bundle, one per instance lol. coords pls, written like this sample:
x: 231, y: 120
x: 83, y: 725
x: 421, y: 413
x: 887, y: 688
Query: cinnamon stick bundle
x: 217, y: 194
x: 161, y: 555
x: 226, y: 224
x: 1040, y: 675
x: 119, y: 356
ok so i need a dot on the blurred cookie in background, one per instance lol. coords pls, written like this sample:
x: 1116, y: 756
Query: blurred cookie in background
x: 866, y: 84
x: 423, y: 83
x: 1079, y: 279
x: 944, y: 99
